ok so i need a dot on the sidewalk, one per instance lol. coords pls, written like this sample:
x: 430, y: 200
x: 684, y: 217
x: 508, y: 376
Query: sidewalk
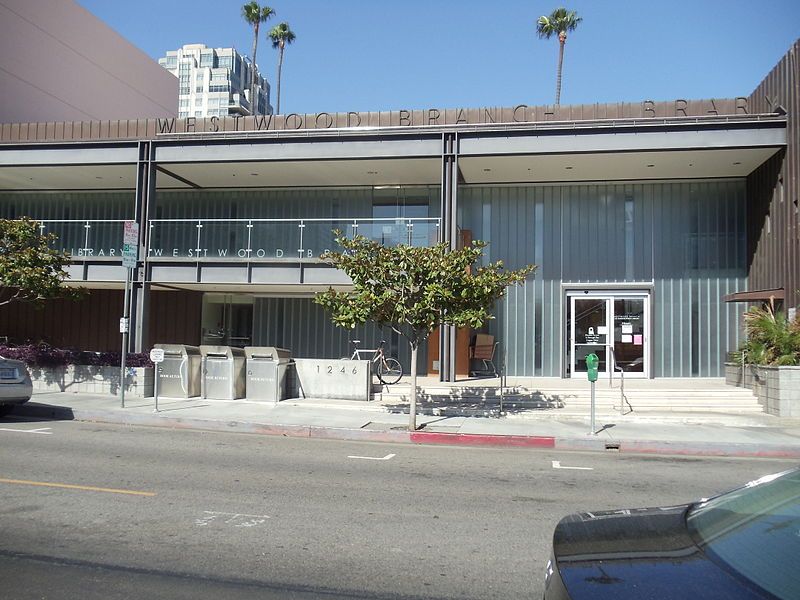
x: 752, y: 435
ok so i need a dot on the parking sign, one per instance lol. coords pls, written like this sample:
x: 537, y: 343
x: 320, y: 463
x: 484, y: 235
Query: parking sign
x: 130, y: 244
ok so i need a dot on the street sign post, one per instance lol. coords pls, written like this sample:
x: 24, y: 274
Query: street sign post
x: 156, y: 357
x: 592, y: 364
x: 130, y: 256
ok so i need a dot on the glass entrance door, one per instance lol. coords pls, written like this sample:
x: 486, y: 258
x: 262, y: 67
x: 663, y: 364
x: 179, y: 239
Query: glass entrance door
x: 613, y: 326
x: 630, y: 335
x: 589, y: 333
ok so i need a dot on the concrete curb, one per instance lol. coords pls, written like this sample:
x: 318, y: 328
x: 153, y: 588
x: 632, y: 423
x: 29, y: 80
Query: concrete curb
x: 723, y: 449
x: 473, y: 439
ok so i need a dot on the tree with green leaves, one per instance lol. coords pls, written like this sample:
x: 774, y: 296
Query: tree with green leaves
x: 255, y: 14
x: 281, y: 36
x: 559, y: 22
x: 31, y: 270
x: 414, y: 290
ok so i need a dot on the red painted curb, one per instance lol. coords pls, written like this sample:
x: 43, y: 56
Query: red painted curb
x: 474, y: 439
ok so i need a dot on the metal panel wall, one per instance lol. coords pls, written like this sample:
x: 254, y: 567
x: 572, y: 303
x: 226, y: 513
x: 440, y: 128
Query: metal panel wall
x: 306, y: 329
x: 774, y: 188
x: 686, y: 240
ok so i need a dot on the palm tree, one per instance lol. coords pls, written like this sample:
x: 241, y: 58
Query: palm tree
x: 558, y: 23
x: 280, y: 35
x: 255, y: 15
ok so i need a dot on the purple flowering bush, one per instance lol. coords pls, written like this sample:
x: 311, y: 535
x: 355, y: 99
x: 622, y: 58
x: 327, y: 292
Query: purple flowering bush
x: 44, y: 355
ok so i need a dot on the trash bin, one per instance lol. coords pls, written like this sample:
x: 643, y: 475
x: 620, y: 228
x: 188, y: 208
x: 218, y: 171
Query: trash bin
x: 222, y: 372
x: 179, y: 374
x: 267, y: 372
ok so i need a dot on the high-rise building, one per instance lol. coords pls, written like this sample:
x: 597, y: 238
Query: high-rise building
x: 215, y: 82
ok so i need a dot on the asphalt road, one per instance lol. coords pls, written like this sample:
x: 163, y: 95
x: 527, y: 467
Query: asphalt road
x: 156, y: 513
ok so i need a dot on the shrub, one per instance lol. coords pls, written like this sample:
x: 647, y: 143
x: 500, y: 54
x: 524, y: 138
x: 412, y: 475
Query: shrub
x: 771, y: 338
x: 44, y: 355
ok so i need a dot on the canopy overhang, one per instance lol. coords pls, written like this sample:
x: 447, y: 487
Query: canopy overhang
x: 756, y: 296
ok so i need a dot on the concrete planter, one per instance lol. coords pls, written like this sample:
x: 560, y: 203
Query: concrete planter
x: 735, y: 375
x: 340, y: 379
x: 777, y: 388
x: 85, y: 379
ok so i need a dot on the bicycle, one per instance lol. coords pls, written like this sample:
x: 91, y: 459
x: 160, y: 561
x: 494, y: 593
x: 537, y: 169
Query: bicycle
x: 387, y: 368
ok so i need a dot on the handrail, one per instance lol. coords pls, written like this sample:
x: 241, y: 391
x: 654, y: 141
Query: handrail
x: 623, y: 399
x: 80, y: 220
x: 97, y: 238
x: 435, y: 220
x: 614, y: 367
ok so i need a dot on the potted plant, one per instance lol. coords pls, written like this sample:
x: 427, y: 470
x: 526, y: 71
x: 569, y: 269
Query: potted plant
x: 772, y: 353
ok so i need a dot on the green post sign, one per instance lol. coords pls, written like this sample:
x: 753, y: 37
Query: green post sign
x: 592, y: 362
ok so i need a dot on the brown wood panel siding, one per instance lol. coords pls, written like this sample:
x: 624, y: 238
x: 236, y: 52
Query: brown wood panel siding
x: 91, y: 323
x: 175, y: 317
x: 774, y: 188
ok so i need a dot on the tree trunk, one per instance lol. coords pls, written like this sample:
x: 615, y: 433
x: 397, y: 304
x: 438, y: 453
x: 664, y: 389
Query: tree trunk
x: 253, y: 72
x: 561, y: 41
x: 280, y: 66
x: 412, y: 408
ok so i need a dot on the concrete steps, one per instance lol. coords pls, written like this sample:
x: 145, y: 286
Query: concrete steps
x: 573, y: 399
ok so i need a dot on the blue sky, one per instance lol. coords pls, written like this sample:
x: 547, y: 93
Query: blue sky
x: 379, y: 55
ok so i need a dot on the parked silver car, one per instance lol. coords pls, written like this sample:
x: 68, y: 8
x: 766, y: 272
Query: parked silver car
x: 15, y: 384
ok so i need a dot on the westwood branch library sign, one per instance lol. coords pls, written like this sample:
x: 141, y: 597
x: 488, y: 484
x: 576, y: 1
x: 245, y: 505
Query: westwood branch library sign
x: 521, y: 113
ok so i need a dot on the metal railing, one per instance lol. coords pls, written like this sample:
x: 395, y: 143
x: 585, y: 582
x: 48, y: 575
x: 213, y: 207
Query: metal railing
x: 623, y: 399
x: 235, y: 239
x: 277, y: 239
x: 86, y: 238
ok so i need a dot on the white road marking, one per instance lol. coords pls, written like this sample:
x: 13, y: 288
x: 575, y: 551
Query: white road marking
x: 40, y: 430
x: 387, y: 457
x: 557, y: 465
x: 227, y: 518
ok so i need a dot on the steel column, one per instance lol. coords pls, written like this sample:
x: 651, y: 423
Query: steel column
x: 145, y: 197
x: 449, y: 233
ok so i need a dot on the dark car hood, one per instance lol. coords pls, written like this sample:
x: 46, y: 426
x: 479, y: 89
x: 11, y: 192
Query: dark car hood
x: 639, y: 554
